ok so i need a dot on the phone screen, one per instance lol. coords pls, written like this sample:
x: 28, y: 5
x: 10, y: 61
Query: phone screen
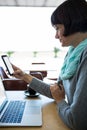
x: 7, y: 63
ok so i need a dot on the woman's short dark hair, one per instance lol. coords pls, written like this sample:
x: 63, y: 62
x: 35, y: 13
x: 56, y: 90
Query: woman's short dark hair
x: 73, y: 15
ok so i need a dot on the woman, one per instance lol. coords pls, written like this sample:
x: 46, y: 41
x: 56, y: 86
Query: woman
x: 70, y: 22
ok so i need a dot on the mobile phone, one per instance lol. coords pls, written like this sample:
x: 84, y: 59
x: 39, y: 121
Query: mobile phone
x: 7, y: 63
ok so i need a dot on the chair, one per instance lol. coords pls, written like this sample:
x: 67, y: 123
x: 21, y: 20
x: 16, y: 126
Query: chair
x: 39, y: 64
x: 14, y: 83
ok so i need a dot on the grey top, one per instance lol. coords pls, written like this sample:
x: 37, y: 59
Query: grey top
x: 73, y: 112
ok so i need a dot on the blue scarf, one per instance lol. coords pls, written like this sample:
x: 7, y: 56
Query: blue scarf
x: 72, y: 60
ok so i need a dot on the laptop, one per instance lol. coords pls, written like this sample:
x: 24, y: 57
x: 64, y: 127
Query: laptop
x: 19, y: 112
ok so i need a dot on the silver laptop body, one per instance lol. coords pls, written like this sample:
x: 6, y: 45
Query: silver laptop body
x: 32, y: 114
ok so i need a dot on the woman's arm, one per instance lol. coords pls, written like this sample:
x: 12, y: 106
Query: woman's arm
x: 34, y: 83
x: 75, y: 114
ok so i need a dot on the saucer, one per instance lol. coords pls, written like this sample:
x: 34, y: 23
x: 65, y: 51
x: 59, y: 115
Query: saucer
x: 29, y: 95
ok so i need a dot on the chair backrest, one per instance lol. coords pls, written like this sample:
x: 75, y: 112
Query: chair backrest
x: 3, y: 73
x: 37, y: 75
x: 40, y: 65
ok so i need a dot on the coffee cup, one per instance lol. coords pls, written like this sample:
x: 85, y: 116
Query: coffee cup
x: 30, y: 90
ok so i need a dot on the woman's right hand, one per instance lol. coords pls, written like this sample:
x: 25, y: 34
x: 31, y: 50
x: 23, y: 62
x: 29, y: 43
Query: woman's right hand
x: 18, y: 73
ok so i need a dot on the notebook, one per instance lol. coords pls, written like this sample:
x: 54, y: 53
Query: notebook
x: 19, y: 112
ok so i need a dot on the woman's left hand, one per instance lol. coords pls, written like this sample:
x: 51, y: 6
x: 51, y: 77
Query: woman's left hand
x: 57, y: 93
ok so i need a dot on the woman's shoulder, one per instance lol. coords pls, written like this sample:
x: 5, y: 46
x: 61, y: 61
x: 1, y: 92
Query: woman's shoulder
x: 85, y: 51
x: 84, y: 54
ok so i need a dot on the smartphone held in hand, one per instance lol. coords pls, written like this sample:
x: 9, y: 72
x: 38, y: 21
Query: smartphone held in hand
x: 7, y: 63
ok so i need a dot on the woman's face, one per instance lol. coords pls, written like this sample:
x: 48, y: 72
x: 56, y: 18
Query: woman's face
x: 64, y: 40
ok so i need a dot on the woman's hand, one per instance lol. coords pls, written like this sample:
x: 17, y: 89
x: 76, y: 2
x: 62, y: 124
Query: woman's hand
x: 18, y: 73
x: 57, y: 92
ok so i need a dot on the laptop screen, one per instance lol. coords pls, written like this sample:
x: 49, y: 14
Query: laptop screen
x: 2, y: 93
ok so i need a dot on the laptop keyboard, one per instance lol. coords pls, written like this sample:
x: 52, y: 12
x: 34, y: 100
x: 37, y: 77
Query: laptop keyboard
x: 14, y: 112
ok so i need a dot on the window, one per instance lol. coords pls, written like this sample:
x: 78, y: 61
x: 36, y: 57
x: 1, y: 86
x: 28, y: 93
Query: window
x: 26, y: 29
x: 27, y: 34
